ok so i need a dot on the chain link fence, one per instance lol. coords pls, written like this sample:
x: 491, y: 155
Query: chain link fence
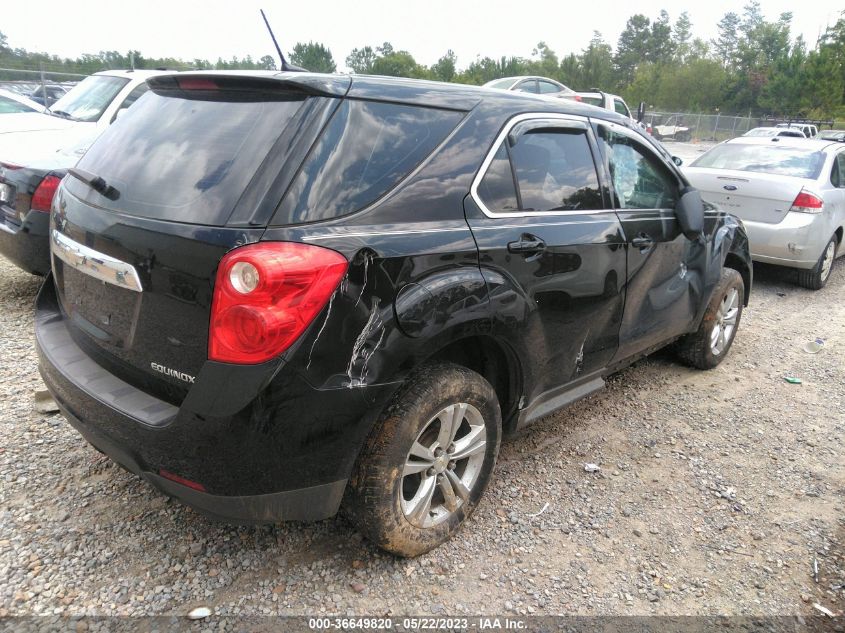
x: 37, y: 83
x: 686, y: 126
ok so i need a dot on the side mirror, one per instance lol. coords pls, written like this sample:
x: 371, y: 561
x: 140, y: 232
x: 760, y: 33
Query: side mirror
x: 690, y: 213
x: 641, y: 112
x: 678, y: 160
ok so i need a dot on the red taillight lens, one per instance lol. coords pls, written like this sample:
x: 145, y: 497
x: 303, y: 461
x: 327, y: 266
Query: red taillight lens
x: 806, y: 202
x: 578, y: 98
x: 43, y: 196
x: 266, y: 295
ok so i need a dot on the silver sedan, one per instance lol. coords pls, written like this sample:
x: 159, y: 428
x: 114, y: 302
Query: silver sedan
x: 789, y: 193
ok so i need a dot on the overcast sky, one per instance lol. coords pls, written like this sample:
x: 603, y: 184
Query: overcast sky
x: 223, y: 28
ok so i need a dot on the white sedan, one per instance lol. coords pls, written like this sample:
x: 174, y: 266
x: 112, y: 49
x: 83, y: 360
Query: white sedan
x: 13, y: 103
x: 789, y: 193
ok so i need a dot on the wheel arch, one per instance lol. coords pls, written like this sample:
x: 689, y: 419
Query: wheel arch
x: 494, y: 361
x: 736, y: 262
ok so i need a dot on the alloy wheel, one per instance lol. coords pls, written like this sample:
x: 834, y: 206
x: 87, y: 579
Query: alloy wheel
x: 443, y: 465
x: 725, y: 322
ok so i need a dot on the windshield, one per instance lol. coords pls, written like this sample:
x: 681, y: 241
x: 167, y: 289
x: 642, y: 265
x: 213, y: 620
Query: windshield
x: 766, y: 159
x: 90, y: 97
x: 9, y: 105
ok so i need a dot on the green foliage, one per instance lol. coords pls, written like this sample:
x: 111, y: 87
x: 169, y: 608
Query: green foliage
x: 446, y: 67
x: 753, y: 66
x: 360, y: 60
x: 313, y: 56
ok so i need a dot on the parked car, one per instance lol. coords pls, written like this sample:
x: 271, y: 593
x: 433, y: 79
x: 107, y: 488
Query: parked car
x: 790, y: 194
x: 809, y: 130
x: 13, y: 103
x: 54, y: 93
x: 672, y: 129
x: 88, y: 108
x: 532, y: 84
x: 604, y: 100
x: 35, y: 159
x: 832, y: 135
x: 351, y: 287
x: 774, y: 131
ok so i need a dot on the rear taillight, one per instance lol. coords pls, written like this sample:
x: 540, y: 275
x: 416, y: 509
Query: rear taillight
x: 806, y: 202
x: 266, y: 295
x: 43, y: 196
x: 578, y: 98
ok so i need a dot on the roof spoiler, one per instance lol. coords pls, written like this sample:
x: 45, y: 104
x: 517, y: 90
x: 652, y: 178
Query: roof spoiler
x: 210, y: 81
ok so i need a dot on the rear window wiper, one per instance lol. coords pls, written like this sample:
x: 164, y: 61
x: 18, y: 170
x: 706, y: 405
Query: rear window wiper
x: 95, y: 182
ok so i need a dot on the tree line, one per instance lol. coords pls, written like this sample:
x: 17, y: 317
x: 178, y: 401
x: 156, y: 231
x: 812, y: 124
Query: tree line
x: 754, y: 66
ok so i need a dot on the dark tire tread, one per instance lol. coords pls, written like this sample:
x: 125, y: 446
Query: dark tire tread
x: 694, y: 349
x: 812, y: 278
x: 370, y: 499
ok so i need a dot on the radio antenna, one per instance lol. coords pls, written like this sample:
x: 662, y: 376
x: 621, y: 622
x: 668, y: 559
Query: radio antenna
x: 285, y: 66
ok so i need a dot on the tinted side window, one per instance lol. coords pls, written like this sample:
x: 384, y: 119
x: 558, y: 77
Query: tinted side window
x: 497, y: 189
x: 555, y: 171
x: 132, y: 97
x: 529, y: 85
x: 837, y: 174
x: 365, y: 150
x: 640, y: 181
x: 621, y: 108
x: 548, y: 87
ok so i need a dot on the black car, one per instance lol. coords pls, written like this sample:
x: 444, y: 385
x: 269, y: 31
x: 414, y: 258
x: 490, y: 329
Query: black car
x: 26, y: 195
x: 272, y: 295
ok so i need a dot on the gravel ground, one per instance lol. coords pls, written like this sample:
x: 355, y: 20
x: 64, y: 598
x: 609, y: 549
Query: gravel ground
x: 717, y: 492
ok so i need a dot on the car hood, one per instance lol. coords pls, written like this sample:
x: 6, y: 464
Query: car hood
x: 31, y: 121
x: 56, y: 147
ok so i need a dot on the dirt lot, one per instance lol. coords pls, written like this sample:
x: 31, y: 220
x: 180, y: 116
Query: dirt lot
x: 717, y: 493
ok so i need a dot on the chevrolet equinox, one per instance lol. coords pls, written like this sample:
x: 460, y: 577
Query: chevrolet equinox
x: 273, y: 295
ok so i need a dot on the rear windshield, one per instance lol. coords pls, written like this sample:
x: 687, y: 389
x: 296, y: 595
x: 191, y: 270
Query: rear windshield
x: 366, y: 149
x: 766, y: 159
x: 88, y: 99
x: 596, y: 101
x: 187, y: 156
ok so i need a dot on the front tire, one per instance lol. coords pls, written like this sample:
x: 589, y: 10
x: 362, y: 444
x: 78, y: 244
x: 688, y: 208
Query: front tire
x: 708, y: 346
x: 817, y: 276
x: 427, y: 461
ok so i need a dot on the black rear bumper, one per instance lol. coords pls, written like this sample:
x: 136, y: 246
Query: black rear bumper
x: 27, y: 246
x: 286, y: 456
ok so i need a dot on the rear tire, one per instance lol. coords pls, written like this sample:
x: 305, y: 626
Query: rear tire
x: 817, y: 276
x: 427, y: 461
x: 709, y: 345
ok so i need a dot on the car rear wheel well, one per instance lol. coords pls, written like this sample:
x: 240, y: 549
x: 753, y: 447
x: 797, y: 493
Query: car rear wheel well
x: 735, y: 262
x: 485, y: 356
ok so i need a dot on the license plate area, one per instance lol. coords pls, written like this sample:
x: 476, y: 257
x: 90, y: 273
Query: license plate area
x: 107, y: 313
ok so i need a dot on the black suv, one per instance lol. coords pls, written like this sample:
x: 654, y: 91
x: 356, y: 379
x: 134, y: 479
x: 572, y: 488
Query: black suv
x: 272, y: 294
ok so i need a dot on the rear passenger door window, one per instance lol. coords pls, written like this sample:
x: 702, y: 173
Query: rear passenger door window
x: 547, y: 87
x: 544, y: 170
x: 529, y: 85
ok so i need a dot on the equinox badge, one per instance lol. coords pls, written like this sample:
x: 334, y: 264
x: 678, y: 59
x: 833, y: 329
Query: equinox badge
x: 172, y: 372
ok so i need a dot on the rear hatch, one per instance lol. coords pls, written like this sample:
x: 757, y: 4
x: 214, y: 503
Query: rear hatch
x: 195, y: 168
x: 757, y: 183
